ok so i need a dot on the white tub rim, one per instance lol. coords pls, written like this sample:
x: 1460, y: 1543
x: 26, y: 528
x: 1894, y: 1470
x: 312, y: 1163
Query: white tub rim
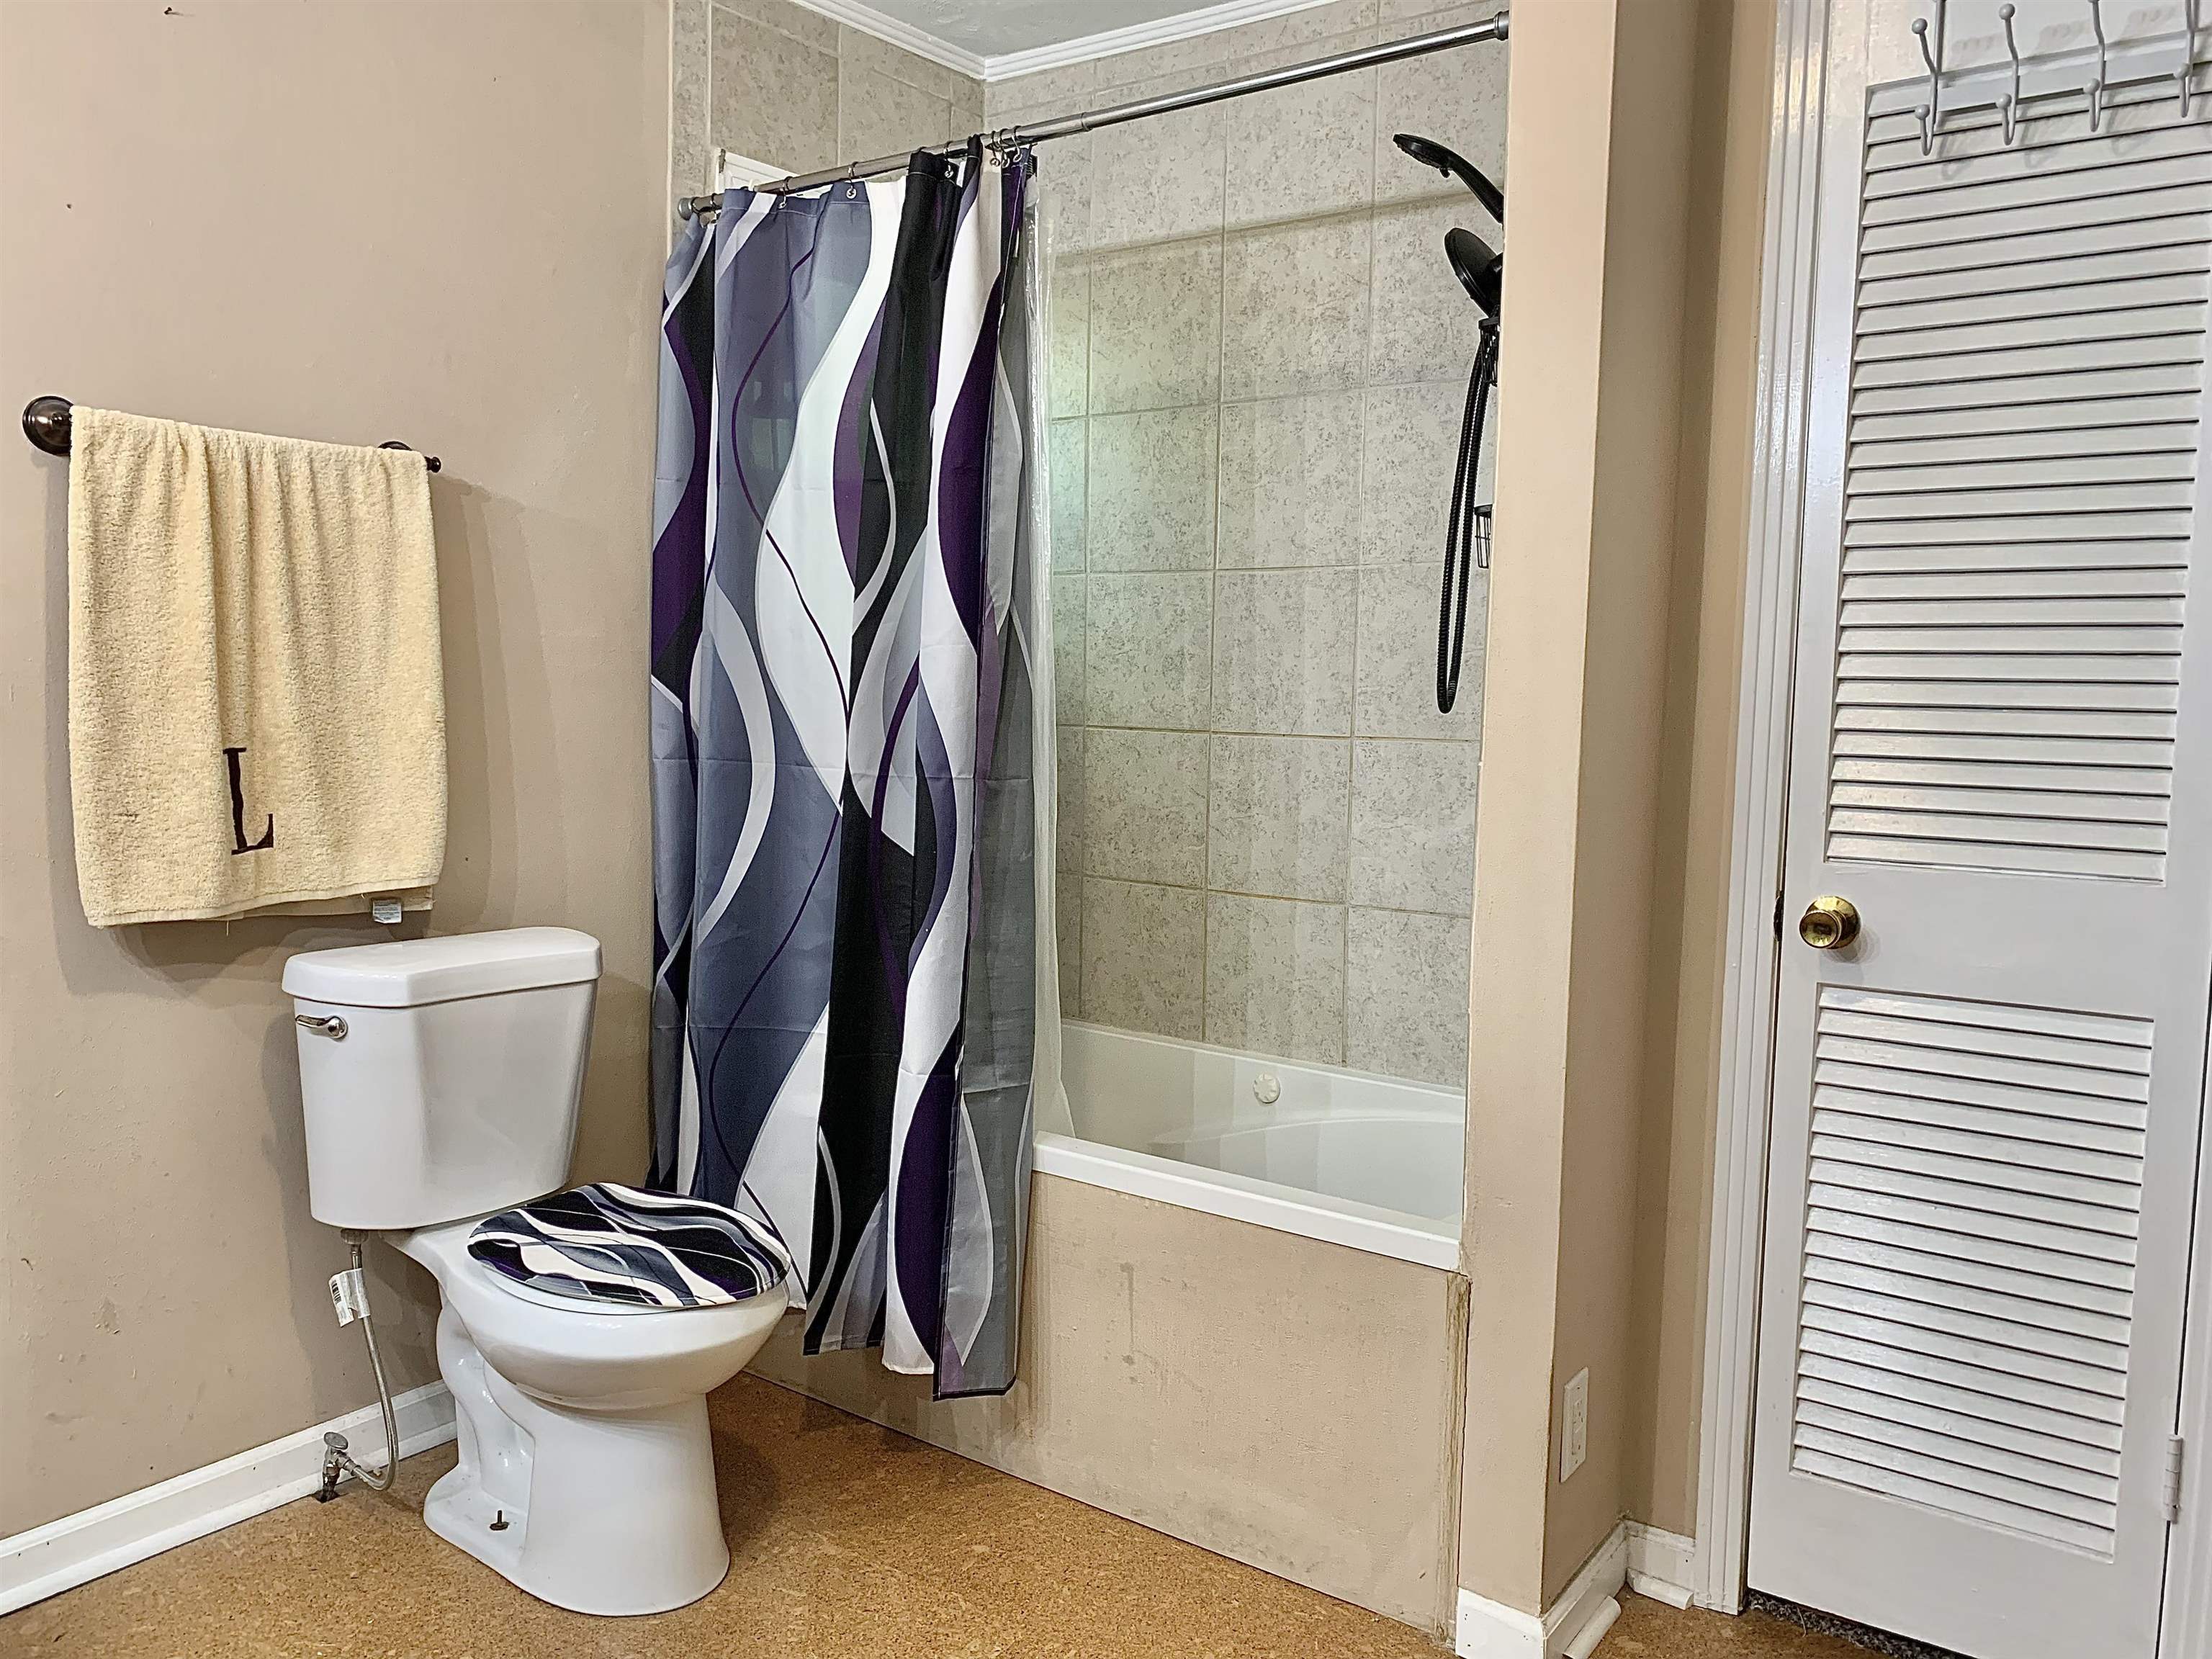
x: 1244, y: 1198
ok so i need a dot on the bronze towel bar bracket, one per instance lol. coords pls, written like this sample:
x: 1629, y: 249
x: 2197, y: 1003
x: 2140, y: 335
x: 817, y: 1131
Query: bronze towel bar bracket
x: 46, y: 424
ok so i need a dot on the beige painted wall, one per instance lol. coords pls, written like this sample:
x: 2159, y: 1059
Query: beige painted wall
x: 1281, y: 1401
x: 1606, y: 738
x: 1727, y: 193
x: 351, y: 222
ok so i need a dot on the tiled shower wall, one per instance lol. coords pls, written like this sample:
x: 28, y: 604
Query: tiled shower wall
x: 1257, y: 369
x: 1258, y: 363
x: 795, y: 89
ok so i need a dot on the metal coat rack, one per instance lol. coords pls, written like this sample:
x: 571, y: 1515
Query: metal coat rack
x: 2095, y: 93
x: 46, y: 423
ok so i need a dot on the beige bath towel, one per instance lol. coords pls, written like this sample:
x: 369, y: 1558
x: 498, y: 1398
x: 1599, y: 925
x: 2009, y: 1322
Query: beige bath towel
x: 256, y: 708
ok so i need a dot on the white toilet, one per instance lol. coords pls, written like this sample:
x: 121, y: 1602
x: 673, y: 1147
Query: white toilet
x: 580, y: 1334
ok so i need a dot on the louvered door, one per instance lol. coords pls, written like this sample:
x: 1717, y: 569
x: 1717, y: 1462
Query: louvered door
x: 1986, y: 1117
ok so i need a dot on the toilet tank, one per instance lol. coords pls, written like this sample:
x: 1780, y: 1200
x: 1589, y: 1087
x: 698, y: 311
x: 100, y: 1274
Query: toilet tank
x: 441, y: 1077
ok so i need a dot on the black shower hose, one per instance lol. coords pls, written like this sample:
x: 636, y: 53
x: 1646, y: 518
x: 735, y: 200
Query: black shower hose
x: 1460, y: 530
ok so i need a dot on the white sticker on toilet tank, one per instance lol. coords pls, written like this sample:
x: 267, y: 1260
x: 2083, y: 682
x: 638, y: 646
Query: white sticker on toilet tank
x: 349, y: 1295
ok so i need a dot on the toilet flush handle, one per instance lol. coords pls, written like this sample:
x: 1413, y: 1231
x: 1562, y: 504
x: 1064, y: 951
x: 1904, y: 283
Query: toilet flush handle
x: 322, y: 1025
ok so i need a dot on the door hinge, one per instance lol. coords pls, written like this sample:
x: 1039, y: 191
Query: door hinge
x: 2177, y: 1450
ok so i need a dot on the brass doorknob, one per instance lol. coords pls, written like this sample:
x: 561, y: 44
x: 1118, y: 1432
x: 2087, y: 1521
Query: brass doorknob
x: 1830, y: 922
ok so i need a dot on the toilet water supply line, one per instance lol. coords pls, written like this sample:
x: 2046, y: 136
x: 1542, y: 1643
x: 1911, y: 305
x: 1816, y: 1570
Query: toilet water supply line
x: 350, y: 1293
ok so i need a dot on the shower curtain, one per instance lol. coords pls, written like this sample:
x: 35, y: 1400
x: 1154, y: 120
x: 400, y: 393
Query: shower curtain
x: 854, y: 1000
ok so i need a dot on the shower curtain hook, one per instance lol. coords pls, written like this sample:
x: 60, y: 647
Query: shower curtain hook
x: 2008, y: 107
x: 2187, y: 72
x: 1931, y: 113
x: 2095, y: 89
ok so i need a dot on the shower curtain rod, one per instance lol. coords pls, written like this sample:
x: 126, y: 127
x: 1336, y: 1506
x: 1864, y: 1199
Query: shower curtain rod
x: 1065, y: 126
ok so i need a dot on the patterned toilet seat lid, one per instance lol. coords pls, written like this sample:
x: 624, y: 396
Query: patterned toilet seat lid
x: 609, y: 1243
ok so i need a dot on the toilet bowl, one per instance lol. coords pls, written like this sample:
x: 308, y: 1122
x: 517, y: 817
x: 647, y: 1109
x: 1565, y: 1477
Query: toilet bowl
x: 579, y: 1331
x: 587, y: 1474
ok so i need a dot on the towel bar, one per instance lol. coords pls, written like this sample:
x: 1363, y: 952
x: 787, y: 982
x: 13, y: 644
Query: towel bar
x: 46, y: 424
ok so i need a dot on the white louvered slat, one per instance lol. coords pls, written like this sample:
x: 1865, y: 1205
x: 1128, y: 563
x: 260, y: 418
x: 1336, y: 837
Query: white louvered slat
x: 2175, y: 254
x: 1921, y: 475
x: 1949, y: 448
x: 2154, y: 582
x: 2068, y: 1442
x: 2021, y: 555
x: 2180, y: 226
x: 1976, y: 1178
x: 2075, y: 418
x: 2019, y: 493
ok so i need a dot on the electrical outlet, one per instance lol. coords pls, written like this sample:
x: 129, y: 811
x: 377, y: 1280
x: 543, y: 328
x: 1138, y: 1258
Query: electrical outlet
x: 1574, y: 1437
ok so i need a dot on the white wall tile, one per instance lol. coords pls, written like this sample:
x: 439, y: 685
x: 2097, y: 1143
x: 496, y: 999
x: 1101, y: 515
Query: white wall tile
x: 688, y: 167
x: 1156, y: 326
x: 1399, y: 606
x: 1144, y: 958
x: 1412, y: 825
x: 1294, y: 309
x: 860, y: 50
x: 1144, y: 805
x: 1067, y: 918
x: 1301, y: 151
x: 880, y: 116
x: 1405, y: 995
x: 1274, y: 976
x: 1069, y: 647
x: 1302, y: 36
x: 1172, y: 66
x: 794, y: 22
x: 1290, y: 488
x: 1067, y: 338
x: 1147, y: 650
x: 1065, y: 467
x: 1411, y: 452
x: 1429, y: 328
x: 1278, y: 815
x: 1067, y: 842
x: 1151, y: 489
x: 964, y: 114
x: 775, y: 92
x: 1065, y: 182
x: 1156, y: 179
x: 1283, y: 651
x: 1060, y: 91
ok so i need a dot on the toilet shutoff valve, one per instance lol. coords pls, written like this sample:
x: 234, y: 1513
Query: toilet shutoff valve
x: 349, y: 1295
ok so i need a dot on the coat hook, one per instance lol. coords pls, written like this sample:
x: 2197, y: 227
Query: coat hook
x: 2188, y: 69
x: 2095, y: 89
x: 1931, y: 113
x: 2008, y: 107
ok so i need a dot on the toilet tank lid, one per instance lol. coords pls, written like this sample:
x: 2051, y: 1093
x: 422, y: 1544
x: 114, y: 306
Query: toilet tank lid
x: 409, y: 973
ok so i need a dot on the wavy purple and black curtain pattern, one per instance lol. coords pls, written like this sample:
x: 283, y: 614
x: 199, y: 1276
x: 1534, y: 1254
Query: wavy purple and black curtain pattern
x: 848, y: 636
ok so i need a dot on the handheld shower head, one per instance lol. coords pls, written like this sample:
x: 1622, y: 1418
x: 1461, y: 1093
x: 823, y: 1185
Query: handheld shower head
x: 1449, y: 162
x: 1480, y: 267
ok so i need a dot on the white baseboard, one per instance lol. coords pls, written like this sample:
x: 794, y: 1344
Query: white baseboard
x: 1491, y: 1630
x: 65, y: 1553
x: 1660, y: 1564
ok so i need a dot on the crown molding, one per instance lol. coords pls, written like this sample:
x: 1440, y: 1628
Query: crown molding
x: 1005, y: 65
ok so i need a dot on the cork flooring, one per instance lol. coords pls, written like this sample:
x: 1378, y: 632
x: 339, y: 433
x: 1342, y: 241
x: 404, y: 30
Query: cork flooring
x: 848, y: 1540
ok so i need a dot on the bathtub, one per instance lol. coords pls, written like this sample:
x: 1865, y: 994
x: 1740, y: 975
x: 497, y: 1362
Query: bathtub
x: 1242, y: 1322
x: 1368, y: 1161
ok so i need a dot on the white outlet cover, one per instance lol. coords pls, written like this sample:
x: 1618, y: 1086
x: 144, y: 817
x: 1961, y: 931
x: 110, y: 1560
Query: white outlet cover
x: 1574, y: 1438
